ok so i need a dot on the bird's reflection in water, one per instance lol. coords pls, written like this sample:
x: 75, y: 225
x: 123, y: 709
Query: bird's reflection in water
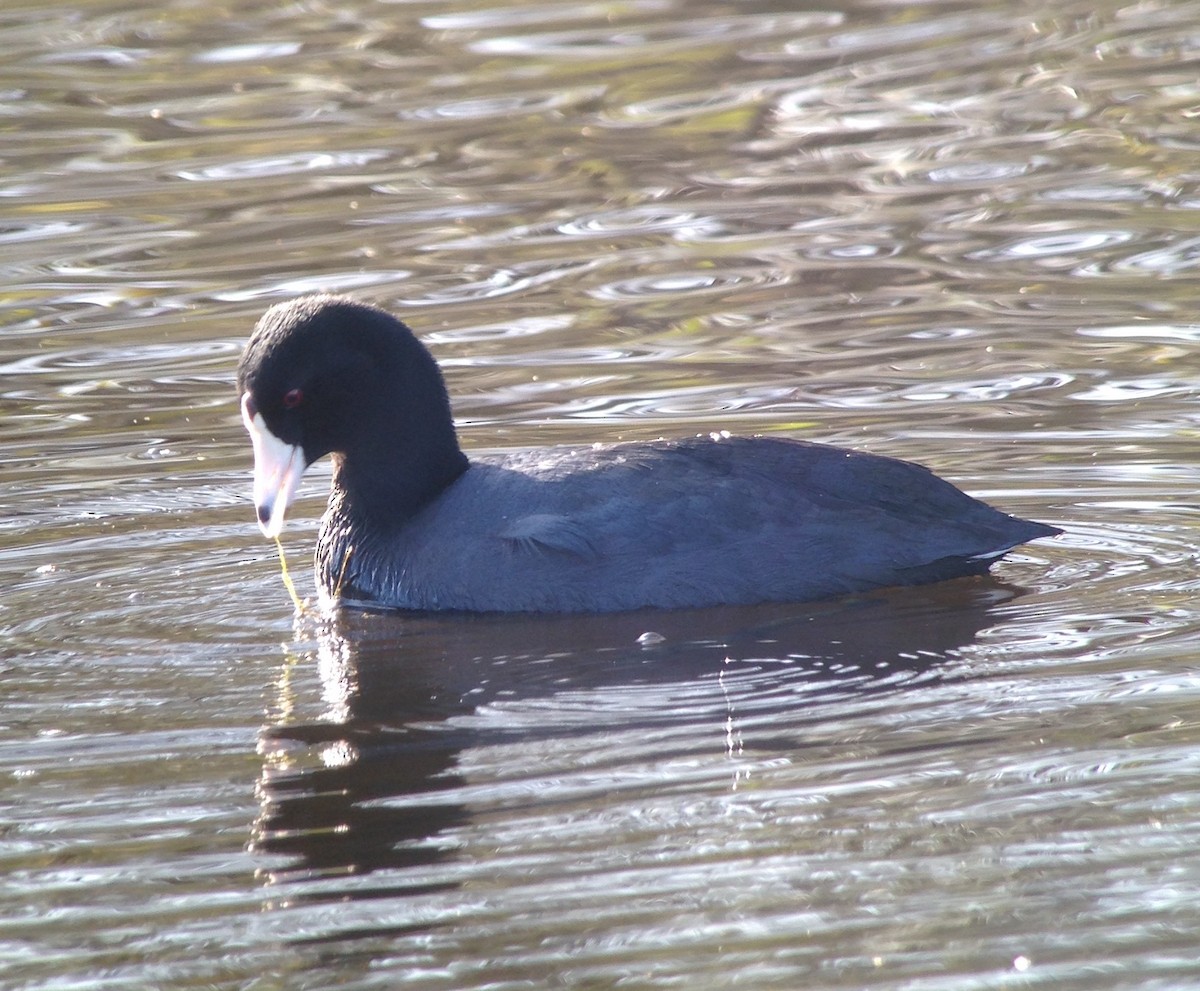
x: 374, y: 784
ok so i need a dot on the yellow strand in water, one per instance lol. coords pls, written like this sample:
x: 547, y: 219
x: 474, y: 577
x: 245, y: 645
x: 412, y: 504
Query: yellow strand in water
x: 337, y: 589
x: 287, y: 579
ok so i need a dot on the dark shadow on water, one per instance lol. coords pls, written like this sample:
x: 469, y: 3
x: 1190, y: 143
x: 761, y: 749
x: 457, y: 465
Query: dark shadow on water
x: 371, y: 788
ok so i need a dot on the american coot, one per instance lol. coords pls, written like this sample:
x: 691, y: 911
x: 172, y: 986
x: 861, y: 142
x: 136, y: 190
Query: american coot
x: 412, y: 523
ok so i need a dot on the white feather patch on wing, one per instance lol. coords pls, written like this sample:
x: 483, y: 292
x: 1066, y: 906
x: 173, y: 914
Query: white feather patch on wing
x: 549, y: 532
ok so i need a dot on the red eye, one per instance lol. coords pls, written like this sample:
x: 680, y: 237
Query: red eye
x: 293, y: 398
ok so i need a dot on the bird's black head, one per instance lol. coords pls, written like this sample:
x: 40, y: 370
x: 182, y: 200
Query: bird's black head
x: 327, y: 375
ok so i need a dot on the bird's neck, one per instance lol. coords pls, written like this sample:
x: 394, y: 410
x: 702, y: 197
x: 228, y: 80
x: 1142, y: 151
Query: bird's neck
x: 389, y: 487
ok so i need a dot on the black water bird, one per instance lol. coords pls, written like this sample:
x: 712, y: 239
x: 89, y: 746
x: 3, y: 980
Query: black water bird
x: 413, y: 523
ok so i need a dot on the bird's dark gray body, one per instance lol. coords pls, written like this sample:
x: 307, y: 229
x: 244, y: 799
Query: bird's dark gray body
x: 669, y: 524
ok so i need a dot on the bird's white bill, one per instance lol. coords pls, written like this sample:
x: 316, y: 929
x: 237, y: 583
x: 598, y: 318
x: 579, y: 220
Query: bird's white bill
x: 278, y: 468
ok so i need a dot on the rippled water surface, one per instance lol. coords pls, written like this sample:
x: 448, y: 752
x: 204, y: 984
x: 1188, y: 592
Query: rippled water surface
x: 964, y: 234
